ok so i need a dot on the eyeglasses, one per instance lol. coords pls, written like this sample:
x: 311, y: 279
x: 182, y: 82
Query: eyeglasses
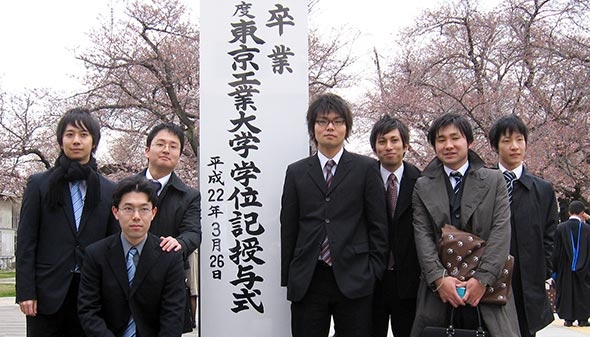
x: 130, y: 210
x: 161, y: 146
x: 325, y: 122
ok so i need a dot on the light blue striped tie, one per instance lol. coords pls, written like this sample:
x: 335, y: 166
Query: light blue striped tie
x: 77, y: 202
x: 130, y: 330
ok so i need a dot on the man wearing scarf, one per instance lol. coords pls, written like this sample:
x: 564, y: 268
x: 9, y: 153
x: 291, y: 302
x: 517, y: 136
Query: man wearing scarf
x: 571, y: 260
x: 64, y: 209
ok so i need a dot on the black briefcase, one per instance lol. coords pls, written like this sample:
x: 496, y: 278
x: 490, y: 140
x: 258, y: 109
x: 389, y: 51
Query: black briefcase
x: 451, y: 331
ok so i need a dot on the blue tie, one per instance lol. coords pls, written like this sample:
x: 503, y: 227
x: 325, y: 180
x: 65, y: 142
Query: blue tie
x: 157, y: 185
x: 130, y: 330
x: 77, y: 202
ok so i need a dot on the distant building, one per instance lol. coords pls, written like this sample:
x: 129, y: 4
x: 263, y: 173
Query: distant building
x: 9, y: 215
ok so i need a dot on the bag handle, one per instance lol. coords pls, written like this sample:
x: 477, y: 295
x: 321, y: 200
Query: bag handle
x: 479, y: 332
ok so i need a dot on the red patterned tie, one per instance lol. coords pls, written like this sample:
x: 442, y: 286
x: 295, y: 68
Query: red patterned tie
x: 392, y: 201
x: 325, y: 246
x: 392, y: 194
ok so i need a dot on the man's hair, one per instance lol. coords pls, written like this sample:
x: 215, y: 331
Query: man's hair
x: 324, y: 104
x: 386, y: 124
x: 460, y: 122
x: 82, y: 119
x: 172, y: 128
x: 134, y: 184
x: 507, y: 124
x: 576, y: 207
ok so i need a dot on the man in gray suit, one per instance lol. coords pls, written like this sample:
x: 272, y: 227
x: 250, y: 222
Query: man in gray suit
x: 333, y: 229
x: 456, y: 189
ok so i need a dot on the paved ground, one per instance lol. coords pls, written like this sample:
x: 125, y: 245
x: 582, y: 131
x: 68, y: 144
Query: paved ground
x: 12, y: 324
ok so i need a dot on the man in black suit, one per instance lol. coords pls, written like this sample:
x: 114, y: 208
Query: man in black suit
x: 395, y: 294
x: 64, y: 209
x: 333, y: 229
x: 129, y: 285
x: 178, y: 222
x: 533, y: 220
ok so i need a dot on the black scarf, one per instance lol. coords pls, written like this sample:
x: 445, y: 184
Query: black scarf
x: 67, y: 170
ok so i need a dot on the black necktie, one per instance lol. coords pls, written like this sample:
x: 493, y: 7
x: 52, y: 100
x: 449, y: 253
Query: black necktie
x: 510, y: 177
x: 458, y: 181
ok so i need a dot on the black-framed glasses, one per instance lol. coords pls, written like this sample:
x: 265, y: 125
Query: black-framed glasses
x: 325, y: 122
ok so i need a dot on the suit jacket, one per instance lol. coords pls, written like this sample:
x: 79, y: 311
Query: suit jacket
x: 179, y: 215
x: 534, y: 219
x: 401, y: 236
x: 485, y: 212
x: 156, y: 299
x: 352, y: 212
x: 48, y: 244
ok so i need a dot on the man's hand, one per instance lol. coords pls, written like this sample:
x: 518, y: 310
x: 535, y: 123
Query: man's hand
x: 169, y: 244
x: 447, y: 290
x: 474, y: 291
x: 29, y: 307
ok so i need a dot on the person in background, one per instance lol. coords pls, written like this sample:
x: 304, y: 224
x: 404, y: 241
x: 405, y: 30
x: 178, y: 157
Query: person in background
x: 64, y: 209
x: 333, y: 229
x: 178, y: 221
x: 533, y: 219
x: 571, y: 259
x: 456, y: 189
x: 129, y: 286
x: 395, y: 293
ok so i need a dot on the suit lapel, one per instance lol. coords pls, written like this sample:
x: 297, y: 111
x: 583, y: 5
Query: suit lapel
x: 476, y: 189
x: 342, y: 170
x: 149, y: 254
x: 116, y: 260
x: 315, y: 173
x: 436, y: 200
x: 406, y: 187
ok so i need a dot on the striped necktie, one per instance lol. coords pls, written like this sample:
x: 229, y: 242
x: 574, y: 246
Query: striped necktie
x: 77, y: 202
x: 458, y: 181
x: 325, y: 246
x: 510, y: 177
x: 130, y: 330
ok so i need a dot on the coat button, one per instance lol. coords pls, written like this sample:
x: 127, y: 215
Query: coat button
x: 327, y: 221
x: 328, y: 199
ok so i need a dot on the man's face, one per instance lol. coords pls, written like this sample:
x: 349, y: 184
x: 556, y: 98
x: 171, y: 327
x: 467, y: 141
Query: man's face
x: 164, y: 152
x: 135, y: 214
x: 390, y: 150
x: 77, y: 144
x: 330, y: 136
x: 451, y: 147
x: 511, y: 149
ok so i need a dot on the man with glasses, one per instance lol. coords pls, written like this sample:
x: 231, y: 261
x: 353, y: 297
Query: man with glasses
x: 178, y: 222
x: 129, y: 286
x: 333, y: 229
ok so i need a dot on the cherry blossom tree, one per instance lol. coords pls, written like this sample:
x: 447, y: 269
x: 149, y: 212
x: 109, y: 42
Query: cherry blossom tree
x: 525, y: 57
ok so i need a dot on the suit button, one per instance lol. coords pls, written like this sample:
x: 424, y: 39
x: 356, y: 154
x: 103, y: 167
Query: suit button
x: 328, y: 199
x: 457, y: 216
x: 327, y: 221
